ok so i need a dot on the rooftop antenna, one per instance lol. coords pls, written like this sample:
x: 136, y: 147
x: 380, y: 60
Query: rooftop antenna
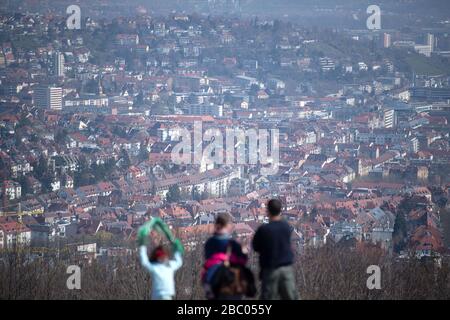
x: 5, y: 198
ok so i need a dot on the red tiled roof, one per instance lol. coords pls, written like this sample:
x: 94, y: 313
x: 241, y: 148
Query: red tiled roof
x: 13, y: 227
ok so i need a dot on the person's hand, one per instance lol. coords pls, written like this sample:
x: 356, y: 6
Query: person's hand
x: 178, y: 246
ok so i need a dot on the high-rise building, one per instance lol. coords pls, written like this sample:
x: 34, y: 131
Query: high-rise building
x: 58, y: 64
x: 387, y: 40
x: 390, y: 118
x: 428, y: 48
x: 431, y: 41
x: 48, y: 97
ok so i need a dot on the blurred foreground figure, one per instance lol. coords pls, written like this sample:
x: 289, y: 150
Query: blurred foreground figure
x: 161, y: 268
x: 225, y: 276
x: 273, y: 243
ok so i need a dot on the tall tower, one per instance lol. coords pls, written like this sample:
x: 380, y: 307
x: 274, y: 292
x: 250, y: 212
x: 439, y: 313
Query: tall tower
x: 58, y: 64
x: 387, y: 40
x: 431, y: 41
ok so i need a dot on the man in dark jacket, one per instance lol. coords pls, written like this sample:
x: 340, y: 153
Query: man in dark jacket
x: 273, y: 243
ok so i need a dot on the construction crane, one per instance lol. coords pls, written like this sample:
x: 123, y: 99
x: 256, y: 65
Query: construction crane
x: 4, y: 213
x: 18, y: 213
x: 5, y: 200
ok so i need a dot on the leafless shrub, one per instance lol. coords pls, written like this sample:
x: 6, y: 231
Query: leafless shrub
x: 324, y: 273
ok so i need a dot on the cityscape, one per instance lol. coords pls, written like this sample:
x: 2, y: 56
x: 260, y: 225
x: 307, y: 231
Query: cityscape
x: 114, y: 113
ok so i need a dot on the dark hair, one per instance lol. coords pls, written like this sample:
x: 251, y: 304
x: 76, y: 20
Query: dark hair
x: 274, y: 207
x: 157, y: 251
x: 223, y: 219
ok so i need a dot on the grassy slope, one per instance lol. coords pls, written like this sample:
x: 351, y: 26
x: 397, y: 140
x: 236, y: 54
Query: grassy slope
x: 429, y: 66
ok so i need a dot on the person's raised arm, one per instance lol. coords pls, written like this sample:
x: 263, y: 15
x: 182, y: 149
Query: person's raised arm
x: 142, y: 233
x: 177, y: 260
x: 143, y: 257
